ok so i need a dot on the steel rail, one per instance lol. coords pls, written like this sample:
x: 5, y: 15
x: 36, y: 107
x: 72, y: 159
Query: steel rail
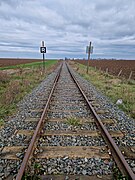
x: 116, y: 153
x: 37, y: 131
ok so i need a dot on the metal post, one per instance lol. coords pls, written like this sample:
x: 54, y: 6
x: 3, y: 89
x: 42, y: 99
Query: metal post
x: 89, y: 51
x: 43, y: 63
x: 43, y: 51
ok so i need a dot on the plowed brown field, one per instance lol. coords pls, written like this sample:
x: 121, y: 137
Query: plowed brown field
x: 11, y: 62
x: 114, y: 67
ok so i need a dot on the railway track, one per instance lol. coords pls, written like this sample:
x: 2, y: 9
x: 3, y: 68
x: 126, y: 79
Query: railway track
x: 68, y: 138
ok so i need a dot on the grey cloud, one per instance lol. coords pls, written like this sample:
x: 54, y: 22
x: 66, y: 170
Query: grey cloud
x: 68, y: 26
x: 12, y: 3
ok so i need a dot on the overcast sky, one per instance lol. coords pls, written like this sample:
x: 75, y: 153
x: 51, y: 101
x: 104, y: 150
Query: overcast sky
x: 67, y: 26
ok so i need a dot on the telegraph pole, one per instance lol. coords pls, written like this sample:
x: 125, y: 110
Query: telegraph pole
x: 89, y: 51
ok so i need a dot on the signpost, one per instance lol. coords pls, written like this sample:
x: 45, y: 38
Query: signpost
x: 43, y: 51
x: 89, y: 50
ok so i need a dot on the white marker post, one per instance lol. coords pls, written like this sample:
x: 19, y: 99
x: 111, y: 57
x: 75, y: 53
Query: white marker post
x: 43, y: 51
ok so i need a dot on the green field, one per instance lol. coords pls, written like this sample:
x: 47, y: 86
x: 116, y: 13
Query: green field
x: 29, y: 65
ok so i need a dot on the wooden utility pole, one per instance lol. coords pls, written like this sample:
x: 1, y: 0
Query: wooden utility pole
x: 89, y: 51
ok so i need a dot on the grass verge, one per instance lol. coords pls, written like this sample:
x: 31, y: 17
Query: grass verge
x: 13, y: 87
x: 111, y: 86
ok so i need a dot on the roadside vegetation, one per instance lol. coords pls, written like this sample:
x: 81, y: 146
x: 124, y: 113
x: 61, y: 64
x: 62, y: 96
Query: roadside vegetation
x: 112, y: 86
x: 18, y: 81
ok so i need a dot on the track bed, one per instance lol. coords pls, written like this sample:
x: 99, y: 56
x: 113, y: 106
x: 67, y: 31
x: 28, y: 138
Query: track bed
x: 69, y: 143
